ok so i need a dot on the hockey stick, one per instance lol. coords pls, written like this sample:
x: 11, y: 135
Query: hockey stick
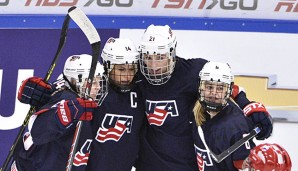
x: 62, y: 41
x: 220, y: 157
x: 89, y: 30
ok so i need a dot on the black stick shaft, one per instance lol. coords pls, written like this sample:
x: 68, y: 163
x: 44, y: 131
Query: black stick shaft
x: 92, y: 35
x: 62, y: 41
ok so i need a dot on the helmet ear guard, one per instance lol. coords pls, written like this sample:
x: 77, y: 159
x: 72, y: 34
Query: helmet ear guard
x: 173, y: 53
x: 231, y: 89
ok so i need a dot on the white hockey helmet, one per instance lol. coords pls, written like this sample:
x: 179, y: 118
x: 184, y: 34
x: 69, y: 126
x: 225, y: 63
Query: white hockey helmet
x: 76, y: 71
x: 158, y: 44
x: 119, y: 51
x: 215, y: 77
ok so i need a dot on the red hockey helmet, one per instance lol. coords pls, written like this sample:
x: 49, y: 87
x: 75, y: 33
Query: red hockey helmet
x: 270, y: 157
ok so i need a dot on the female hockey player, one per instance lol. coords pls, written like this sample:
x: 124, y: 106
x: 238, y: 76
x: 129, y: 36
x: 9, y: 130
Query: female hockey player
x: 47, y: 143
x: 118, y: 121
x: 169, y: 98
x: 219, y: 123
x: 169, y: 86
x: 220, y: 119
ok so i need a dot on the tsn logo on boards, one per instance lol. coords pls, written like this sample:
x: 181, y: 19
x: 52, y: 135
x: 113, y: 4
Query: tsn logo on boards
x: 202, y: 4
x: 223, y: 4
x: 287, y: 6
x: 101, y: 3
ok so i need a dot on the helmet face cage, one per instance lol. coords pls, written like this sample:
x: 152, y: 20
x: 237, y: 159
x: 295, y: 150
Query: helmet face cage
x: 103, y: 91
x: 99, y: 88
x: 213, y: 95
x: 120, y: 58
x: 157, y: 68
x: 122, y: 76
x: 158, y: 53
x: 76, y: 72
x: 270, y: 157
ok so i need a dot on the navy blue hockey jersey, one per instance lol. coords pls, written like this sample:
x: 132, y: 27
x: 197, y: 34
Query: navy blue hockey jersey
x: 52, y: 142
x: 116, y: 126
x: 221, y: 132
x: 168, y: 142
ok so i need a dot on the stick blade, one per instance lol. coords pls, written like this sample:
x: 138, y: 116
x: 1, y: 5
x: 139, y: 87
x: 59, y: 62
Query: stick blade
x: 80, y: 18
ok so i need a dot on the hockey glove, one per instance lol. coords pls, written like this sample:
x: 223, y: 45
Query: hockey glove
x: 73, y: 110
x: 236, y: 91
x: 260, y: 117
x: 34, y: 91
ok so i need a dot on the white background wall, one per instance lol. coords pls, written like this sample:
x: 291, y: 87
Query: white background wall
x: 246, y: 52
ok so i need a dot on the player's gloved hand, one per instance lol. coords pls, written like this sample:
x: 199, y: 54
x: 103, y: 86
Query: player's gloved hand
x: 260, y: 117
x: 236, y: 90
x: 76, y: 109
x: 34, y: 91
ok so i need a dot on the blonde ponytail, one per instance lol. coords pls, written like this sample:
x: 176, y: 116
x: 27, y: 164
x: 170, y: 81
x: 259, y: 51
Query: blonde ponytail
x: 199, y: 113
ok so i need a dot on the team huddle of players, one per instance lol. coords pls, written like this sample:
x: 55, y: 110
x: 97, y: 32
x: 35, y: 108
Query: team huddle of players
x: 146, y: 109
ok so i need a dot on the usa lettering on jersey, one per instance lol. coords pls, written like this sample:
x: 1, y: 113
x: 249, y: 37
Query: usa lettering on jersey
x: 203, y: 158
x: 113, y: 127
x: 63, y: 112
x: 157, y: 111
x: 82, y: 156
